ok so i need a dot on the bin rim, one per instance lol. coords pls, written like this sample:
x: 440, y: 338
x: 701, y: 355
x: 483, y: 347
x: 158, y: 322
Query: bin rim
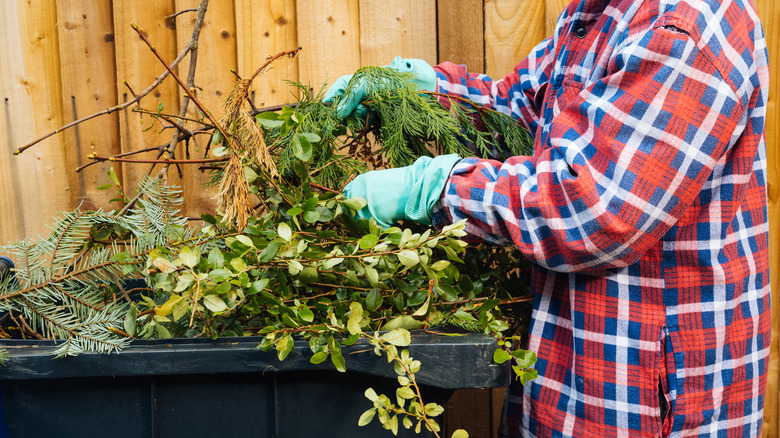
x: 450, y: 362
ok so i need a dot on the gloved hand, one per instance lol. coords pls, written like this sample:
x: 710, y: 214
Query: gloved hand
x: 424, y: 78
x: 403, y: 193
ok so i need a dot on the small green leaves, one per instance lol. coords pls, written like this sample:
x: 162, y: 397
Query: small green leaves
x: 319, y: 357
x: 113, y: 176
x: 269, y: 252
x: 433, y: 409
x: 284, y: 346
x: 301, y: 147
x: 408, y: 258
x: 403, y: 322
x: 440, y: 265
x: 130, y: 320
x: 405, y: 393
x: 217, y: 138
x: 284, y: 230
x: 368, y: 241
x: 357, y: 203
x: 245, y: 240
x: 399, y: 337
x: 355, y: 318
x: 220, y: 275
x: 269, y: 120
x: 214, y: 303
x: 371, y: 395
x: 189, y: 257
x: 336, y: 357
x: 366, y: 417
x: 501, y: 356
x: 308, y: 275
x: 374, y: 299
x: 164, y: 265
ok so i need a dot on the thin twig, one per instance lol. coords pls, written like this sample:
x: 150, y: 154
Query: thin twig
x: 158, y: 80
x: 183, y: 11
x: 272, y: 59
x: 187, y: 90
x: 323, y: 188
x: 192, y: 49
x: 18, y: 324
x: 186, y: 119
x: 275, y: 108
x: 26, y: 328
x: 462, y: 100
x: 315, y: 171
x: 125, y: 154
x: 161, y: 161
x: 120, y: 332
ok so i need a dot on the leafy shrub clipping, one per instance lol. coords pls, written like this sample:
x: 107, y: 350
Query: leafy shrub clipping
x: 285, y: 256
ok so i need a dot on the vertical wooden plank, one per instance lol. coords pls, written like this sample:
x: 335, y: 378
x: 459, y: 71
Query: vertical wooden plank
x: 213, y: 82
x: 512, y: 29
x: 553, y: 9
x: 138, y: 67
x: 769, y: 12
x: 461, y: 33
x: 469, y: 409
x: 329, y: 32
x: 33, y: 185
x: 496, y: 406
x: 265, y: 28
x: 86, y: 38
x: 390, y: 28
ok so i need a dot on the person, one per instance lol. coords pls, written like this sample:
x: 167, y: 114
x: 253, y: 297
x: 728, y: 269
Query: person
x: 643, y: 209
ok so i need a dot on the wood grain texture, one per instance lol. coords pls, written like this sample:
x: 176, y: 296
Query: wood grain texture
x: 461, y: 35
x: 265, y: 28
x: 769, y: 13
x: 77, y: 51
x: 390, y: 28
x: 329, y: 32
x: 34, y: 185
x: 512, y: 29
x: 553, y: 9
x: 213, y: 83
x: 86, y: 40
x: 137, y: 66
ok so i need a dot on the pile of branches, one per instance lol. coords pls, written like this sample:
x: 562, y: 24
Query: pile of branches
x: 285, y: 255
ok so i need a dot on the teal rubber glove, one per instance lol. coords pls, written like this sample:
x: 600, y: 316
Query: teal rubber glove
x: 403, y: 193
x: 424, y: 79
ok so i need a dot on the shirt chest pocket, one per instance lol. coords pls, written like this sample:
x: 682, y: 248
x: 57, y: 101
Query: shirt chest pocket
x: 568, y: 93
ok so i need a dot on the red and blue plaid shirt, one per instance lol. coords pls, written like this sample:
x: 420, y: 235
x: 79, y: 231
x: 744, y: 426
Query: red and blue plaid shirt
x: 644, y: 210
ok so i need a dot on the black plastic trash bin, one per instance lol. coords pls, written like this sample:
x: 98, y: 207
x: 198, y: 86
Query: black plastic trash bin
x: 223, y: 388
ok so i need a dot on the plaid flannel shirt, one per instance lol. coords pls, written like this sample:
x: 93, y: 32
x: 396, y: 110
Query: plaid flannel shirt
x: 643, y: 208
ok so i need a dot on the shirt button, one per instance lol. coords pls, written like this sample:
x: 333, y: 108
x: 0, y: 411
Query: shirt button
x: 581, y: 32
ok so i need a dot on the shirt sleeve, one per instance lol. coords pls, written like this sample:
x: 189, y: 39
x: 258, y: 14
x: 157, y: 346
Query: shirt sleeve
x: 624, y: 157
x: 519, y: 94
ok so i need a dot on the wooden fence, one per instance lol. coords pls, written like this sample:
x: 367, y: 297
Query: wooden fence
x: 64, y: 60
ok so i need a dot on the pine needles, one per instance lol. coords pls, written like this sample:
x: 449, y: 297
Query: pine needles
x: 70, y: 286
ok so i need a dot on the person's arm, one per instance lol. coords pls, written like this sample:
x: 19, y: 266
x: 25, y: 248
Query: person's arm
x: 519, y: 94
x: 624, y: 159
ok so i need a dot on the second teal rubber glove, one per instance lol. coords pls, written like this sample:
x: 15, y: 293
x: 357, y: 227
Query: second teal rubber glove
x: 403, y: 193
x: 424, y: 78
